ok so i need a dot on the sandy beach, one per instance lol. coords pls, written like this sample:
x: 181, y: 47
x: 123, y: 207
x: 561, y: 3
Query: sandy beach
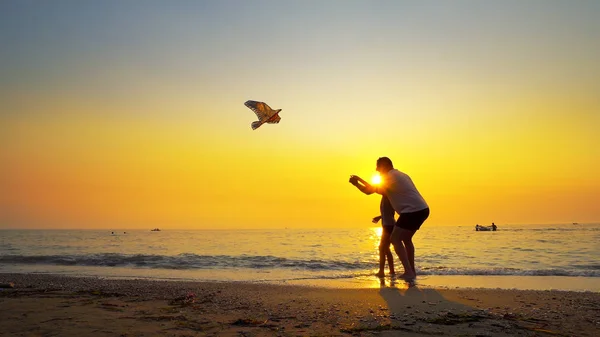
x: 47, y: 305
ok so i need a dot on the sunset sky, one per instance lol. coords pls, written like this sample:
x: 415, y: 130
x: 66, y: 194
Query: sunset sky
x: 130, y: 114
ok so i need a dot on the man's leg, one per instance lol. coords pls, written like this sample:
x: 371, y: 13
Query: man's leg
x: 401, y: 251
x: 406, y: 237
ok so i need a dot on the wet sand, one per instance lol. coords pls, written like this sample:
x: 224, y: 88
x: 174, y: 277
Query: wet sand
x: 47, y: 305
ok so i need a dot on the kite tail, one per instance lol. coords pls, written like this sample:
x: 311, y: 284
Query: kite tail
x: 256, y: 124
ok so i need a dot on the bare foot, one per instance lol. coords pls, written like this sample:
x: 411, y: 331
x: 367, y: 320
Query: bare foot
x: 380, y: 274
x: 408, y: 276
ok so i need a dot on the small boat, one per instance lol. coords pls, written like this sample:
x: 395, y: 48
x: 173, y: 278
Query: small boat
x: 491, y: 228
x: 155, y: 230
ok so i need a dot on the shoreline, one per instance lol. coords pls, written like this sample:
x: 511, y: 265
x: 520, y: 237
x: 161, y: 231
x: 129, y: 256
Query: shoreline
x: 466, y: 282
x: 361, y: 280
x: 64, y: 305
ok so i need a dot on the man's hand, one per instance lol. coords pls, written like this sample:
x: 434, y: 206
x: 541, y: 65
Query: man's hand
x: 376, y: 219
x: 353, y: 180
x: 362, y: 181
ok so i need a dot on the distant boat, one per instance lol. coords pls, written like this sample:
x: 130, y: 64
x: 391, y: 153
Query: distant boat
x: 479, y: 228
x: 155, y: 230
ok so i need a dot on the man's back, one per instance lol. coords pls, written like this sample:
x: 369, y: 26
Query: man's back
x: 403, y: 193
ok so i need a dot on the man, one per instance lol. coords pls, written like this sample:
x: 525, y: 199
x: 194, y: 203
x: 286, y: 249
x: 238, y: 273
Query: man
x: 407, y: 202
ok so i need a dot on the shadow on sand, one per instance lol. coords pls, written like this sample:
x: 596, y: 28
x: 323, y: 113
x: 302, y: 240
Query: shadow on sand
x: 416, y: 311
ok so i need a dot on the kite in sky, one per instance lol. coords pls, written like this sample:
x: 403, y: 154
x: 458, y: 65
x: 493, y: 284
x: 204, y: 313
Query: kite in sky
x: 264, y: 113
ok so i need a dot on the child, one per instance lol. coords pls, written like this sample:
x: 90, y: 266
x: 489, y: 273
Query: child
x: 387, y: 224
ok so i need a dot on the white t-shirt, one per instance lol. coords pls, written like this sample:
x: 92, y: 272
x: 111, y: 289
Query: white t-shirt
x: 402, y: 192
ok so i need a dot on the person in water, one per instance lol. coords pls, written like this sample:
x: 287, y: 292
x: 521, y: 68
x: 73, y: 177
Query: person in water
x: 387, y: 217
x: 407, y: 202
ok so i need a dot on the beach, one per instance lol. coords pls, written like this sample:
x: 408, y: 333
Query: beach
x: 53, y: 305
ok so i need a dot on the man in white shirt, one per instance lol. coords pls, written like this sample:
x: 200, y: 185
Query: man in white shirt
x: 407, y: 202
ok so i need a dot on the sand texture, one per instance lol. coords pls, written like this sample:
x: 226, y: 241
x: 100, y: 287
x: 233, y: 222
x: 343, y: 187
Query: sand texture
x: 46, y: 305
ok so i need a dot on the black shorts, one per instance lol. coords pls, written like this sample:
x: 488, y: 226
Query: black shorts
x: 387, y: 229
x: 413, y: 220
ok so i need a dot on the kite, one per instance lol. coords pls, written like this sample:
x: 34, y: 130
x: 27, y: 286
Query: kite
x: 264, y: 113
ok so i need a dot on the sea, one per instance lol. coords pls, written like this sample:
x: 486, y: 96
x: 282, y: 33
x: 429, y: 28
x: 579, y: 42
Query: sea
x: 539, y: 257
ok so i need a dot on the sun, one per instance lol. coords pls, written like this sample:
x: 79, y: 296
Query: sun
x: 376, y: 179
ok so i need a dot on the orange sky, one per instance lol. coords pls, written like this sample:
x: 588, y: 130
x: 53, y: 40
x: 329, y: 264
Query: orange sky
x: 137, y: 120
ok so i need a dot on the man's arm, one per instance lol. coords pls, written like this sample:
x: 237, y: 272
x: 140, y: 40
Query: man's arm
x: 362, y: 185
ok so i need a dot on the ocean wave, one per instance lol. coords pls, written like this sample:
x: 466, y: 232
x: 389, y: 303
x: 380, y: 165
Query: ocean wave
x: 226, y: 262
x: 508, y: 272
x: 184, y: 261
